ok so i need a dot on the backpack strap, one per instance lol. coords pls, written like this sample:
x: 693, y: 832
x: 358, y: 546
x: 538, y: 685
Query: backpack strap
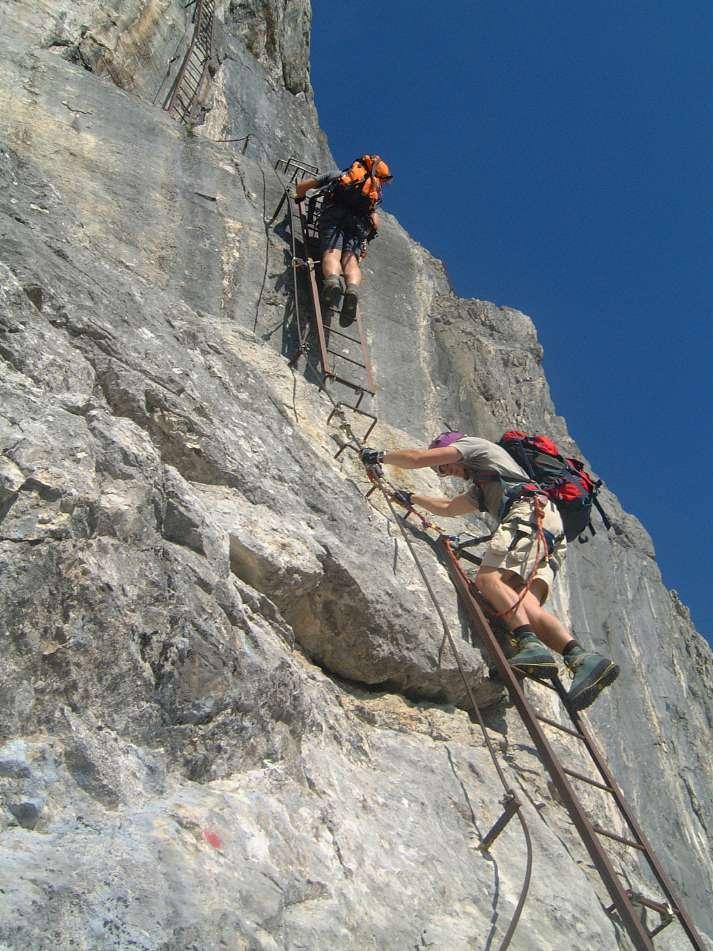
x: 595, y: 500
x: 375, y: 159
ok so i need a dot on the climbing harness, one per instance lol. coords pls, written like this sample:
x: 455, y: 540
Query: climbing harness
x: 542, y: 549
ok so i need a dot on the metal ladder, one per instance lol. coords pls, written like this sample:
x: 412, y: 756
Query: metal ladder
x: 344, y: 362
x: 624, y: 900
x: 195, y: 66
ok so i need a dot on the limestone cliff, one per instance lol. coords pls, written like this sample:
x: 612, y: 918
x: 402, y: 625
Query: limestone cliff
x: 223, y: 722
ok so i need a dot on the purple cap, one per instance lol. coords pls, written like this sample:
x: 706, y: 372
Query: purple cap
x: 445, y: 439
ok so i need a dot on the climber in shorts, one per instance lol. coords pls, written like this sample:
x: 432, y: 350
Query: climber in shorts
x: 518, y: 556
x: 348, y: 221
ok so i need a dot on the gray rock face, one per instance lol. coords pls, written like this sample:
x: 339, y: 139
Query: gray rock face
x: 227, y: 714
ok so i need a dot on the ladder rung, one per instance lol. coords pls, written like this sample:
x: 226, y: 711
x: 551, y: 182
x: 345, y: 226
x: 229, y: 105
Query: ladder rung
x: 341, y: 356
x: 542, y: 681
x: 351, y: 384
x: 586, y: 779
x: 636, y: 899
x: 558, y: 726
x: 658, y: 906
x: 346, y: 336
x: 355, y: 409
x: 660, y: 927
x: 619, y: 838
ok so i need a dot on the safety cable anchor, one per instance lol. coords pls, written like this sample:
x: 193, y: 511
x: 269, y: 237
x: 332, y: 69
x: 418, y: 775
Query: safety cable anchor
x: 511, y: 806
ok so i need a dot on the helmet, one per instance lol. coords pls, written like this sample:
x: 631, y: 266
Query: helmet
x: 441, y: 440
x: 445, y: 439
x: 377, y: 166
x: 382, y: 171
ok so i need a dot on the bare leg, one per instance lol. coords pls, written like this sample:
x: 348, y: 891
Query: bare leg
x: 331, y: 263
x: 351, y: 269
x: 494, y: 585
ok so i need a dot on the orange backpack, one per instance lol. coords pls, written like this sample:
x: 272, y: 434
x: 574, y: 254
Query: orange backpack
x: 359, y: 187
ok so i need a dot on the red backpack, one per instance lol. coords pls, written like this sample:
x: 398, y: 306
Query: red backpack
x: 564, y: 480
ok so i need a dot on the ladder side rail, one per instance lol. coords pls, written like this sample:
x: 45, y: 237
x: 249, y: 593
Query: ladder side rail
x: 169, y: 104
x: 633, y: 924
x: 663, y: 880
x: 201, y: 43
x: 310, y: 216
x: 365, y: 352
x: 301, y: 331
x: 326, y: 370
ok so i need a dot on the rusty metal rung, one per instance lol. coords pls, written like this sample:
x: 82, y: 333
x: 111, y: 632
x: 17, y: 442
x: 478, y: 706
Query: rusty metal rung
x: 351, y: 384
x: 355, y: 409
x: 346, y: 336
x: 303, y: 167
x: 619, y: 838
x: 586, y: 779
x: 342, y: 356
x: 661, y: 907
x: 511, y: 804
x: 665, y: 922
x: 636, y: 898
x: 558, y: 726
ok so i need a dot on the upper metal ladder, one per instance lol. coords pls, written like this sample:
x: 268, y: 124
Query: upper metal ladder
x: 192, y: 75
x: 623, y: 899
x: 343, y: 358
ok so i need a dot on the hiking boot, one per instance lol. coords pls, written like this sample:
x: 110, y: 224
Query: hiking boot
x: 532, y: 658
x: 592, y: 673
x: 349, y: 306
x: 331, y: 291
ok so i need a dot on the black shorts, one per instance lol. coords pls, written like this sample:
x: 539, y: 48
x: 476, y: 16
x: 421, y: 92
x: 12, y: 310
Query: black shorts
x: 340, y: 229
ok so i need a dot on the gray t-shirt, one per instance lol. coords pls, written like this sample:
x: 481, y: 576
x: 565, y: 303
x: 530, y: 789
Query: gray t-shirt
x: 328, y: 178
x: 482, y: 455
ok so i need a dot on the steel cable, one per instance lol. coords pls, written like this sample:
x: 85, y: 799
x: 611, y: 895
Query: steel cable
x: 378, y: 481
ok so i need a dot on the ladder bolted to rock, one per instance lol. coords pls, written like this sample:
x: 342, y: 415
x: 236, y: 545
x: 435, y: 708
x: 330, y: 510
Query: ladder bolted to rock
x: 344, y: 362
x: 194, y: 69
x: 624, y: 900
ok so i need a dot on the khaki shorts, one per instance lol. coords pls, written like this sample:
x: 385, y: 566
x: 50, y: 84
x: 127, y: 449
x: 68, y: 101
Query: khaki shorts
x: 514, y: 546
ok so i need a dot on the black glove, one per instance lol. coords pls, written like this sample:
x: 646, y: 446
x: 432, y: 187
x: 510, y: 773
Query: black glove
x: 403, y: 498
x: 371, y: 457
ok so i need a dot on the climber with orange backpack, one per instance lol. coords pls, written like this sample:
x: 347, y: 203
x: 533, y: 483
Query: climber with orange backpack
x: 540, y: 500
x: 347, y: 223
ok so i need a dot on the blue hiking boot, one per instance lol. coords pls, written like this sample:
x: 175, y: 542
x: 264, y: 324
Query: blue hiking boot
x: 592, y: 673
x: 532, y: 658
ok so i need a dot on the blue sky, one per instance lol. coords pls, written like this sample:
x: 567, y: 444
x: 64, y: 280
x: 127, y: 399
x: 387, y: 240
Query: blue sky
x: 559, y: 159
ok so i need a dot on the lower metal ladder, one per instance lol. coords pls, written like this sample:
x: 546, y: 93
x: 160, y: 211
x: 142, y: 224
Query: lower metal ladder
x: 623, y: 900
